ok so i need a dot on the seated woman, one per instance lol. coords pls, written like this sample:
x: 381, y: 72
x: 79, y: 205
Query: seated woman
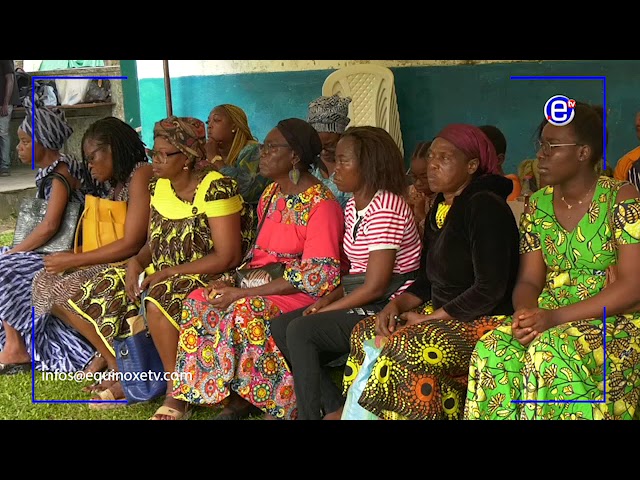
x: 197, y: 228
x: 469, y: 269
x: 232, y: 150
x: 551, y: 354
x: 116, y: 156
x: 381, y: 241
x: 19, y: 264
x: 420, y: 197
x: 329, y: 116
x: 225, y: 342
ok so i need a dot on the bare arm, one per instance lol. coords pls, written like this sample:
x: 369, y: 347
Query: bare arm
x: 530, y: 280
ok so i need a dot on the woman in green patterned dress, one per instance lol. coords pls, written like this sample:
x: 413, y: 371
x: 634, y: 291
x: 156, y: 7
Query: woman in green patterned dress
x: 551, y: 361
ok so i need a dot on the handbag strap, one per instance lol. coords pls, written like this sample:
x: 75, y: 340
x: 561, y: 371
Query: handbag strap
x: 50, y: 177
x: 249, y: 255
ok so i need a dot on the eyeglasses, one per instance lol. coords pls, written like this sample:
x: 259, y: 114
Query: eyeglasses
x: 161, y: 157
x: 91, y: 158
x: 547, y: 147
x: 267, y: 147
x: 413, y: 178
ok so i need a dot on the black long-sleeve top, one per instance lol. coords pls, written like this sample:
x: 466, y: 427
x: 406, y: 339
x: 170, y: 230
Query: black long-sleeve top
x: 470, y: 264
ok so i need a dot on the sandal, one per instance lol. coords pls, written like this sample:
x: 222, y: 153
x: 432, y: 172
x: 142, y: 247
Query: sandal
x: 173, y: 413
x: 102, y: 383
x: 106, y: 400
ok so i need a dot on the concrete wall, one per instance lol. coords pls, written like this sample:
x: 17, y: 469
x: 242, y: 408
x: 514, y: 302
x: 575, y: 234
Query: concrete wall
x: 431, y: 94
x: 81, y: 116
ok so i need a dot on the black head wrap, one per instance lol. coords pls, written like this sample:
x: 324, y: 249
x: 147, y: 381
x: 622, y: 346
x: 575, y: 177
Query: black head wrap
x: 302, y: 138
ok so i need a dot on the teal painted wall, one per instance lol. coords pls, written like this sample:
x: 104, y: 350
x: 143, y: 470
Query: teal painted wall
x: 428, y: 99
x: 131, y: 93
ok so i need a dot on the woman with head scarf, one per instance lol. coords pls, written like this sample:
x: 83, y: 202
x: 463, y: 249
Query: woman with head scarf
x: 469, y: 266
x: 115, y: 155
x: 225, y: 342
x: 329, y: 115
x: 561, y: 355
x: 198, y: 227
x: 19, y: 264
x: 232, y: 150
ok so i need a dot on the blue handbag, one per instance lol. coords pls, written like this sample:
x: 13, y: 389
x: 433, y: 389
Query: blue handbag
x: 142, y: 373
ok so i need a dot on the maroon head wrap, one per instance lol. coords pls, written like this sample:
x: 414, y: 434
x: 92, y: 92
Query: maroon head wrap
x: 474, y: 144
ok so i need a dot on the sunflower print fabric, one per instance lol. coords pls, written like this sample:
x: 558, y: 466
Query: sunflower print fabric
x: 566, y: 364
x: 179, y: 233
x: 421, y: 373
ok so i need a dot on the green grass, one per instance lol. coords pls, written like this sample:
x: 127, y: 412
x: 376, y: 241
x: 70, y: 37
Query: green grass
x: 6, y: 239
x: 16, y: 402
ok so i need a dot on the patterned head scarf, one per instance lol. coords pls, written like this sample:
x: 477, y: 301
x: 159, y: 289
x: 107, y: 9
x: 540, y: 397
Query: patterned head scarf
x: 329, y: 114
x: 52, y: 129
x: 474, y: 144
x: 302, y: 138
x: 243, y: 134
x: 187, y: 134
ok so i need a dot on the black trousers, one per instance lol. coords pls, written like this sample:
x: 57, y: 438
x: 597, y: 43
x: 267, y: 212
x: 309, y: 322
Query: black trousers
x: 311, y: 344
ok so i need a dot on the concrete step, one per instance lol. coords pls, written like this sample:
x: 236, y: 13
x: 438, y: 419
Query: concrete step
x: 21, y: 184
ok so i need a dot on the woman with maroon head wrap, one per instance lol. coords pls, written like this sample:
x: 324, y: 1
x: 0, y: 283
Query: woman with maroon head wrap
x: 470, y: 261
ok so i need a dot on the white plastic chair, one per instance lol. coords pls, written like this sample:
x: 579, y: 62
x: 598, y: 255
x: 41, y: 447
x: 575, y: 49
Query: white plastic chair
x: 373, y: 97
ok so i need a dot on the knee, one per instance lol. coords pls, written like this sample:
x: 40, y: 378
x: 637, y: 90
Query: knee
x: 299, y: 331
x: 278, y: 330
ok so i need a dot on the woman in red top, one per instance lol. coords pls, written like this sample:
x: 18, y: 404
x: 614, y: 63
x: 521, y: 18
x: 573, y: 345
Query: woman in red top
x: 225, y: 348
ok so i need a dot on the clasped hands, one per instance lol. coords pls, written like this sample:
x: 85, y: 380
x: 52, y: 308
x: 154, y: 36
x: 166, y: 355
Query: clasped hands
x: 390, y: 320
x: 528, y: 323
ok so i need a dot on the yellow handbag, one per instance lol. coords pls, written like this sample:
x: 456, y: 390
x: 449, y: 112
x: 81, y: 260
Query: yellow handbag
x: 101, y: 223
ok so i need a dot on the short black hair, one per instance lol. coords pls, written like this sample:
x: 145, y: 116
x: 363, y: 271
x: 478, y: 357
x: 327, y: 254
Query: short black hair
x: 497, y: 138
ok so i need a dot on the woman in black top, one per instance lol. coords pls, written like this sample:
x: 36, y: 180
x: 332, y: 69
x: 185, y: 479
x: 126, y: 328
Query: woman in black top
x: 470, y: 261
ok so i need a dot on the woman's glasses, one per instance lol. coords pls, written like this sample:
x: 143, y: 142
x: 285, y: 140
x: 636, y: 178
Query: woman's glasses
x: 161, y: 157
x: 266, y: 148
x: 547, y: 147
x: 91, y: 158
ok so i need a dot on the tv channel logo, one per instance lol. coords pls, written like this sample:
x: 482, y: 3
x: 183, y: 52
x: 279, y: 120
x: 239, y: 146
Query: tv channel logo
x: 560, y: 110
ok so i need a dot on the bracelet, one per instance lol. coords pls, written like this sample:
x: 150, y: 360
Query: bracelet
x: 215, y: 159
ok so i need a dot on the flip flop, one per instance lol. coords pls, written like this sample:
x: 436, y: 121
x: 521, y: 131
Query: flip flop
x: 172, y: 412
x: 14, y: 368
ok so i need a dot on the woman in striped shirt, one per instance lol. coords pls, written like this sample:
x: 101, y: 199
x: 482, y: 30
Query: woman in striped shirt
x: 382, y: 246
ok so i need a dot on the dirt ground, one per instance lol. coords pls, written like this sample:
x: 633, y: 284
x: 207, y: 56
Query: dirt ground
x: 7, y: 225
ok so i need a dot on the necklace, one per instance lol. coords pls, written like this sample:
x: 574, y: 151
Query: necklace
x: 441, y: 213
x: 569, y: 206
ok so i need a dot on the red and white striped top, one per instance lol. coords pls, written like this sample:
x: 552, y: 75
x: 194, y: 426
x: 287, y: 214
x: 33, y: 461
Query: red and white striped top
x: 386, y: 223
